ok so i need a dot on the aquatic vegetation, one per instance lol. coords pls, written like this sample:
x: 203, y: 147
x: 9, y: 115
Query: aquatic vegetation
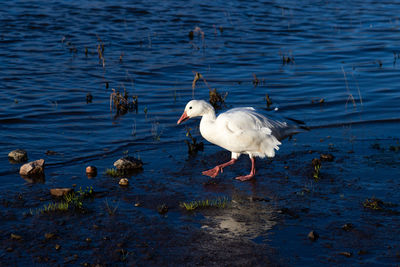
x: 317, y: 168
x: 396, y: 56
x: 110, y: 208
x: 268, y: 101
x: 124, y: 254
x: 256, y: 81
x: 317, y: 101
x: 100, y: 51
x: 373, y: 204
x: 51, y: 207
x: 350, y: 95
x: 376, y: 204
x: 76, y: 198
x: 121, y: 103
x: 72, y: 48
x: 288, y: 59
x: 133, y: 133
x: 113, y: 172
x: 377, y: 146
x: 73, y: 200
x: 193, y: 146
x: 155, y: 131
x: 162, y: 209
x: 216, y: 99
x: 207, y: 203
x: 89, y: 98
x: 197, y: 30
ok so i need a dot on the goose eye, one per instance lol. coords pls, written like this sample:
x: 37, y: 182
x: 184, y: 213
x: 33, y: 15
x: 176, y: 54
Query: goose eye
x: 190, y: 107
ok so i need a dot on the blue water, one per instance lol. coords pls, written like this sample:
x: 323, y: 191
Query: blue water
x: 345, y: 54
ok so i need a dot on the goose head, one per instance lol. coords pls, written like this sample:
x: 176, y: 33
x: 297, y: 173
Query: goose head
x: 195, y: 108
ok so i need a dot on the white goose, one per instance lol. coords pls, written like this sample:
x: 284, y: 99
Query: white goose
x: 239, y: 130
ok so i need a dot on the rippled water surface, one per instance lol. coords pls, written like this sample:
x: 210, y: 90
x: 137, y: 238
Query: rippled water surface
x: 332, y: 64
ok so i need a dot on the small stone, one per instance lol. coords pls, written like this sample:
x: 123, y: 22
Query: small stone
x: 345, y: 253
x: 91, y: 171
x: 313, y: 236
x: 34, y: 168
x: 362, y: 252
x: 9, y: 249
x: 70, y: 259
x: 326, y: 157
x: 88, y: 240
x: 18, y: 156
x: 16, y: 237
x: 57, y: 247
x: 124, y: 182
x: 128, y: 163
x: 51, y: 153
x: 137, y: 204
x: 348, y: 227
x: 60, y: 192
x: 49, y: 235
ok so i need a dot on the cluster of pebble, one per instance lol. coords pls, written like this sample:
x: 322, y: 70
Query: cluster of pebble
x: 34, y: 170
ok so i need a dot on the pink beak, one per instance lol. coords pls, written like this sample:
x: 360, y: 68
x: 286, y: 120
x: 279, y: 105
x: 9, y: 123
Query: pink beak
x: 183, y: 118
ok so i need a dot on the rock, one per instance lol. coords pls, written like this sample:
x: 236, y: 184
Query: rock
x: 124, y: 182
x: 57, y: 246
x: 70, y: 259
x: 51, y: 153
x: 348, y: 227
x: 289, y: 212
x: 162, y: 209
x: 17, y: 156
x: 313, y: 236
x: 255, y: 198
x: 34, y: 168
x: 91, y: 171
x: 16, y: 237
x: 362, y: 252
x: 59, y: 192
x: 345, y: 253
x: 128, y: 163
x: 326, y: 157
x: 49, y: 235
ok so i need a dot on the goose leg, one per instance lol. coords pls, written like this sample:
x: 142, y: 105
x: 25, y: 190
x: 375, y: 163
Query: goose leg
x: 217, y: 169
x: 251, y: 174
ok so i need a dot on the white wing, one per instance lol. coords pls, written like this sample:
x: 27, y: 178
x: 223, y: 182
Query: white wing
x: 241, y: 119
